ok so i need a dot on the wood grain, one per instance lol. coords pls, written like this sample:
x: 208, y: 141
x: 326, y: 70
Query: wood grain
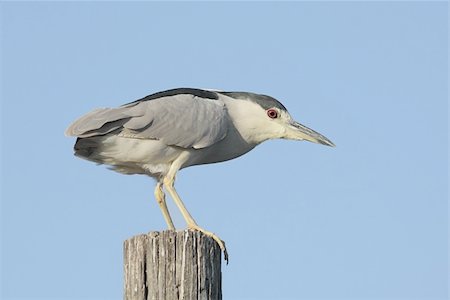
x: 172, y: 265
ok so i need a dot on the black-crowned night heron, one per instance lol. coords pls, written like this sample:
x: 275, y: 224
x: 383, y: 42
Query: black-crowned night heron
x: 162, y: 133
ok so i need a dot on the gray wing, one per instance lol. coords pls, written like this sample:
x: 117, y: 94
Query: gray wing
x: 100, y: 121
x: 183, y: 120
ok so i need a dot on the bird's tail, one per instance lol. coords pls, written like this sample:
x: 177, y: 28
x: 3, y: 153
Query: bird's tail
x: 89, y: 148
x: 93, y: 129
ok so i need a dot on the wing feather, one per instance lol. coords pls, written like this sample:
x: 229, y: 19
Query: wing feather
x: 101, y: 121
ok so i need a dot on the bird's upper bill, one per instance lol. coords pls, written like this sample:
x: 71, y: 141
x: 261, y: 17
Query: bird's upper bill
x: 297, y: 131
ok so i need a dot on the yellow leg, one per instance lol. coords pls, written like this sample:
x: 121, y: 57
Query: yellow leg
x: 168, y: 183
x: 161, y: 199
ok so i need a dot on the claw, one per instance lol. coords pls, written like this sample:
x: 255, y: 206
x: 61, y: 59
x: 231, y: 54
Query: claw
x: 215, y: 237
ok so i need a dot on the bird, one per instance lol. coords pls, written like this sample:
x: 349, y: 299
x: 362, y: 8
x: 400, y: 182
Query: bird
x: 162, y: 133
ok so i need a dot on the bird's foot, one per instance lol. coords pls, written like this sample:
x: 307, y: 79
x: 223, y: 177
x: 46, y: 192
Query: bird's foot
x: 215, y: 237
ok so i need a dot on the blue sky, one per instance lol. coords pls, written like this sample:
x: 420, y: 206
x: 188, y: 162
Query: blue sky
x: 365, y: 220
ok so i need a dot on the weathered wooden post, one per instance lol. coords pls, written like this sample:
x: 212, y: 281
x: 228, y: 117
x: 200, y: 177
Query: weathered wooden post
x: 172, y: 265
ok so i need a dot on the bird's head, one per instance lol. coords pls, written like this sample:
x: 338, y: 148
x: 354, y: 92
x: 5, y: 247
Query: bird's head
x: 259, y: 118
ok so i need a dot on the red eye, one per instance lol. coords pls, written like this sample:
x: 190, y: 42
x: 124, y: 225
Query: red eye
x: 272, y: 113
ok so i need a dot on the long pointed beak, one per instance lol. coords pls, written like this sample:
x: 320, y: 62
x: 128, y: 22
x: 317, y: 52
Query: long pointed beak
x: 297, y: 131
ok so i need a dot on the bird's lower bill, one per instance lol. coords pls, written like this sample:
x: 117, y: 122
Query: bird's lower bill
x: 297, y: 131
